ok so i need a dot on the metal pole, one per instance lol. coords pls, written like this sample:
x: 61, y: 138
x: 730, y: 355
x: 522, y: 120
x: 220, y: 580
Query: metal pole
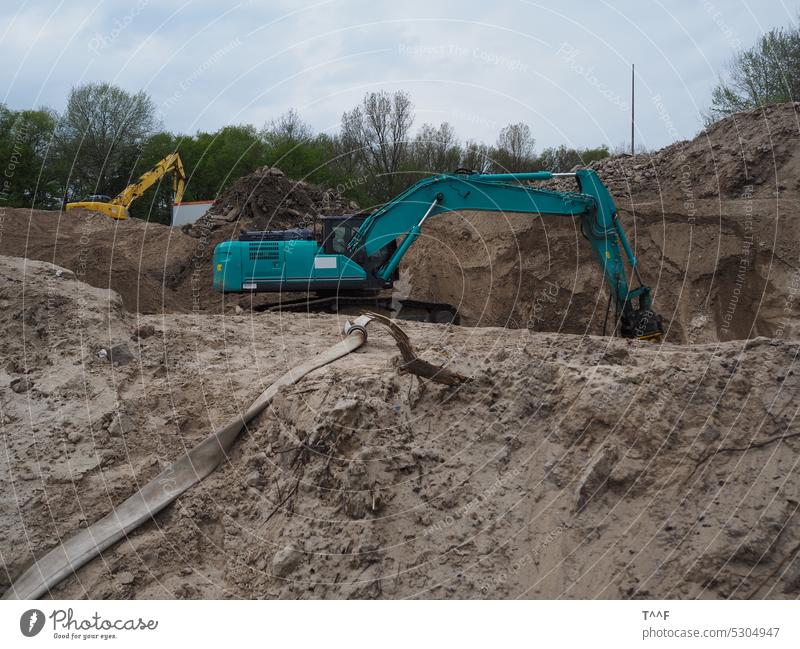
x: 632, y: 105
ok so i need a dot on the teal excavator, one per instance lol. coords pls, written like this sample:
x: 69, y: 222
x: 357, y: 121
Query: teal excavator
x: 356, y: 257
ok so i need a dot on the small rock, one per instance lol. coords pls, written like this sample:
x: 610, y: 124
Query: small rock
x: 12, y: 367
x: 102, y: 354
x: 285, y: 561
x: 120, y: 354
x: 291, y: 213
x: 125, y: 578
x: 274, y: 171
x: 144, y: 331
x: 122, y: 425
x: 253, y: 479
x: 21, y: 385
x: 74, y: 437
x: 238, y: 310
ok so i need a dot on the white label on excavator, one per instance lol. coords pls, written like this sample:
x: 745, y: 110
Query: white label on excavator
x: 324, y: 262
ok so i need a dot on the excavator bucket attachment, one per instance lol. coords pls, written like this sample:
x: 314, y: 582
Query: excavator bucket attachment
x: 643, y: 324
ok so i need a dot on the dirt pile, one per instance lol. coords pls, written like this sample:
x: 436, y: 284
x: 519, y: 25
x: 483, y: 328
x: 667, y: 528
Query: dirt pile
x: 268, y: 200
x: 713, y: 222
x: 754, y: 152
x: 143, y: 262
x: 156, y: 268
x: 569, y: 466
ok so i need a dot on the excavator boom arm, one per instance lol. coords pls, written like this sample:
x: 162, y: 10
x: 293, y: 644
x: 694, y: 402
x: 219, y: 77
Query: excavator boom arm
x: 171, y: 163
x: 117, y: 207
x: 402, y: 218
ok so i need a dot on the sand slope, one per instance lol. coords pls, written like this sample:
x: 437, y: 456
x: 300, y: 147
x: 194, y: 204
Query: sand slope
x: 569, y: 466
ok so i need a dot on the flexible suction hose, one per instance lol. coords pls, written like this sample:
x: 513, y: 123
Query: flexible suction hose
x: 187, y: 471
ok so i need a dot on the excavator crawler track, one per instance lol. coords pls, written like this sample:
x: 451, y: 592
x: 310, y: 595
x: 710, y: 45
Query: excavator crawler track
x: 412, y: 310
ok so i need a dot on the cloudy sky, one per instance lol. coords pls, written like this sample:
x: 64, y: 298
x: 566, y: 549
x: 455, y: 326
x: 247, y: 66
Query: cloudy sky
x: 564, y: 68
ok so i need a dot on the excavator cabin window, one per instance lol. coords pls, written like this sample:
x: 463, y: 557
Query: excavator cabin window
x: 337, y: 232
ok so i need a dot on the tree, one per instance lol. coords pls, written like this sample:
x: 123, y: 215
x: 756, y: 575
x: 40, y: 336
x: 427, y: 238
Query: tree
x: 289, y: 128
x: 101, y: 134
x: 592, y: 154
x: 476, y: 156
x: 514, y: 150
x: 377, y: 131
x: 563, y: 158
x: 435, y: 149
x: 767, y: 73
x: 214, y: 161
x: 31, y: 175
x: 291, y: 144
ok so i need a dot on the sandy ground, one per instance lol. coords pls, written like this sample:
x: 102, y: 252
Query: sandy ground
x: 569, y: 466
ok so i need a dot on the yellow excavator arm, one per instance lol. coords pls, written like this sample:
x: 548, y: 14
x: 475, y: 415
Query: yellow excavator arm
x: 117, y: 207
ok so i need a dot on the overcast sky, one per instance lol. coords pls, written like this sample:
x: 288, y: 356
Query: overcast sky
x: 563, y: 68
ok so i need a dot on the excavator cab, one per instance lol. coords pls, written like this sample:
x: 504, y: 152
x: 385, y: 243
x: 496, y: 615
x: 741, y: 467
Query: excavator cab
x: 338, y: 232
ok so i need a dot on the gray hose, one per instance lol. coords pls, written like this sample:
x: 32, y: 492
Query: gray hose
x: 187, y: 471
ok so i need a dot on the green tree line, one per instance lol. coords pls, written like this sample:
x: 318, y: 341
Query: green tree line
x: 106, y: 137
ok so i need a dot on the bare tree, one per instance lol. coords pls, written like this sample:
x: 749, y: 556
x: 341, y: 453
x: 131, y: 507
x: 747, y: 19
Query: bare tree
x: 514, y: 150
x: 378, y: 131
x: 101, y: 134
x: 288, y: 128
x: 476, y: 156
x: 436, y: 149
x: 624, y: 148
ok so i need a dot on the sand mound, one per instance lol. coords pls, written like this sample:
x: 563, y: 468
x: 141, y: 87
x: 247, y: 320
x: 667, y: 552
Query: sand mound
x: 754, y: 151
x: 156, y: 268
x: 569, y: 466
x: 141, y: 261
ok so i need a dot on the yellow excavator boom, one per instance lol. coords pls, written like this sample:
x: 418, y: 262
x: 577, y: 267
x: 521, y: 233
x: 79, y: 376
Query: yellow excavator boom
x: 117, y: 207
